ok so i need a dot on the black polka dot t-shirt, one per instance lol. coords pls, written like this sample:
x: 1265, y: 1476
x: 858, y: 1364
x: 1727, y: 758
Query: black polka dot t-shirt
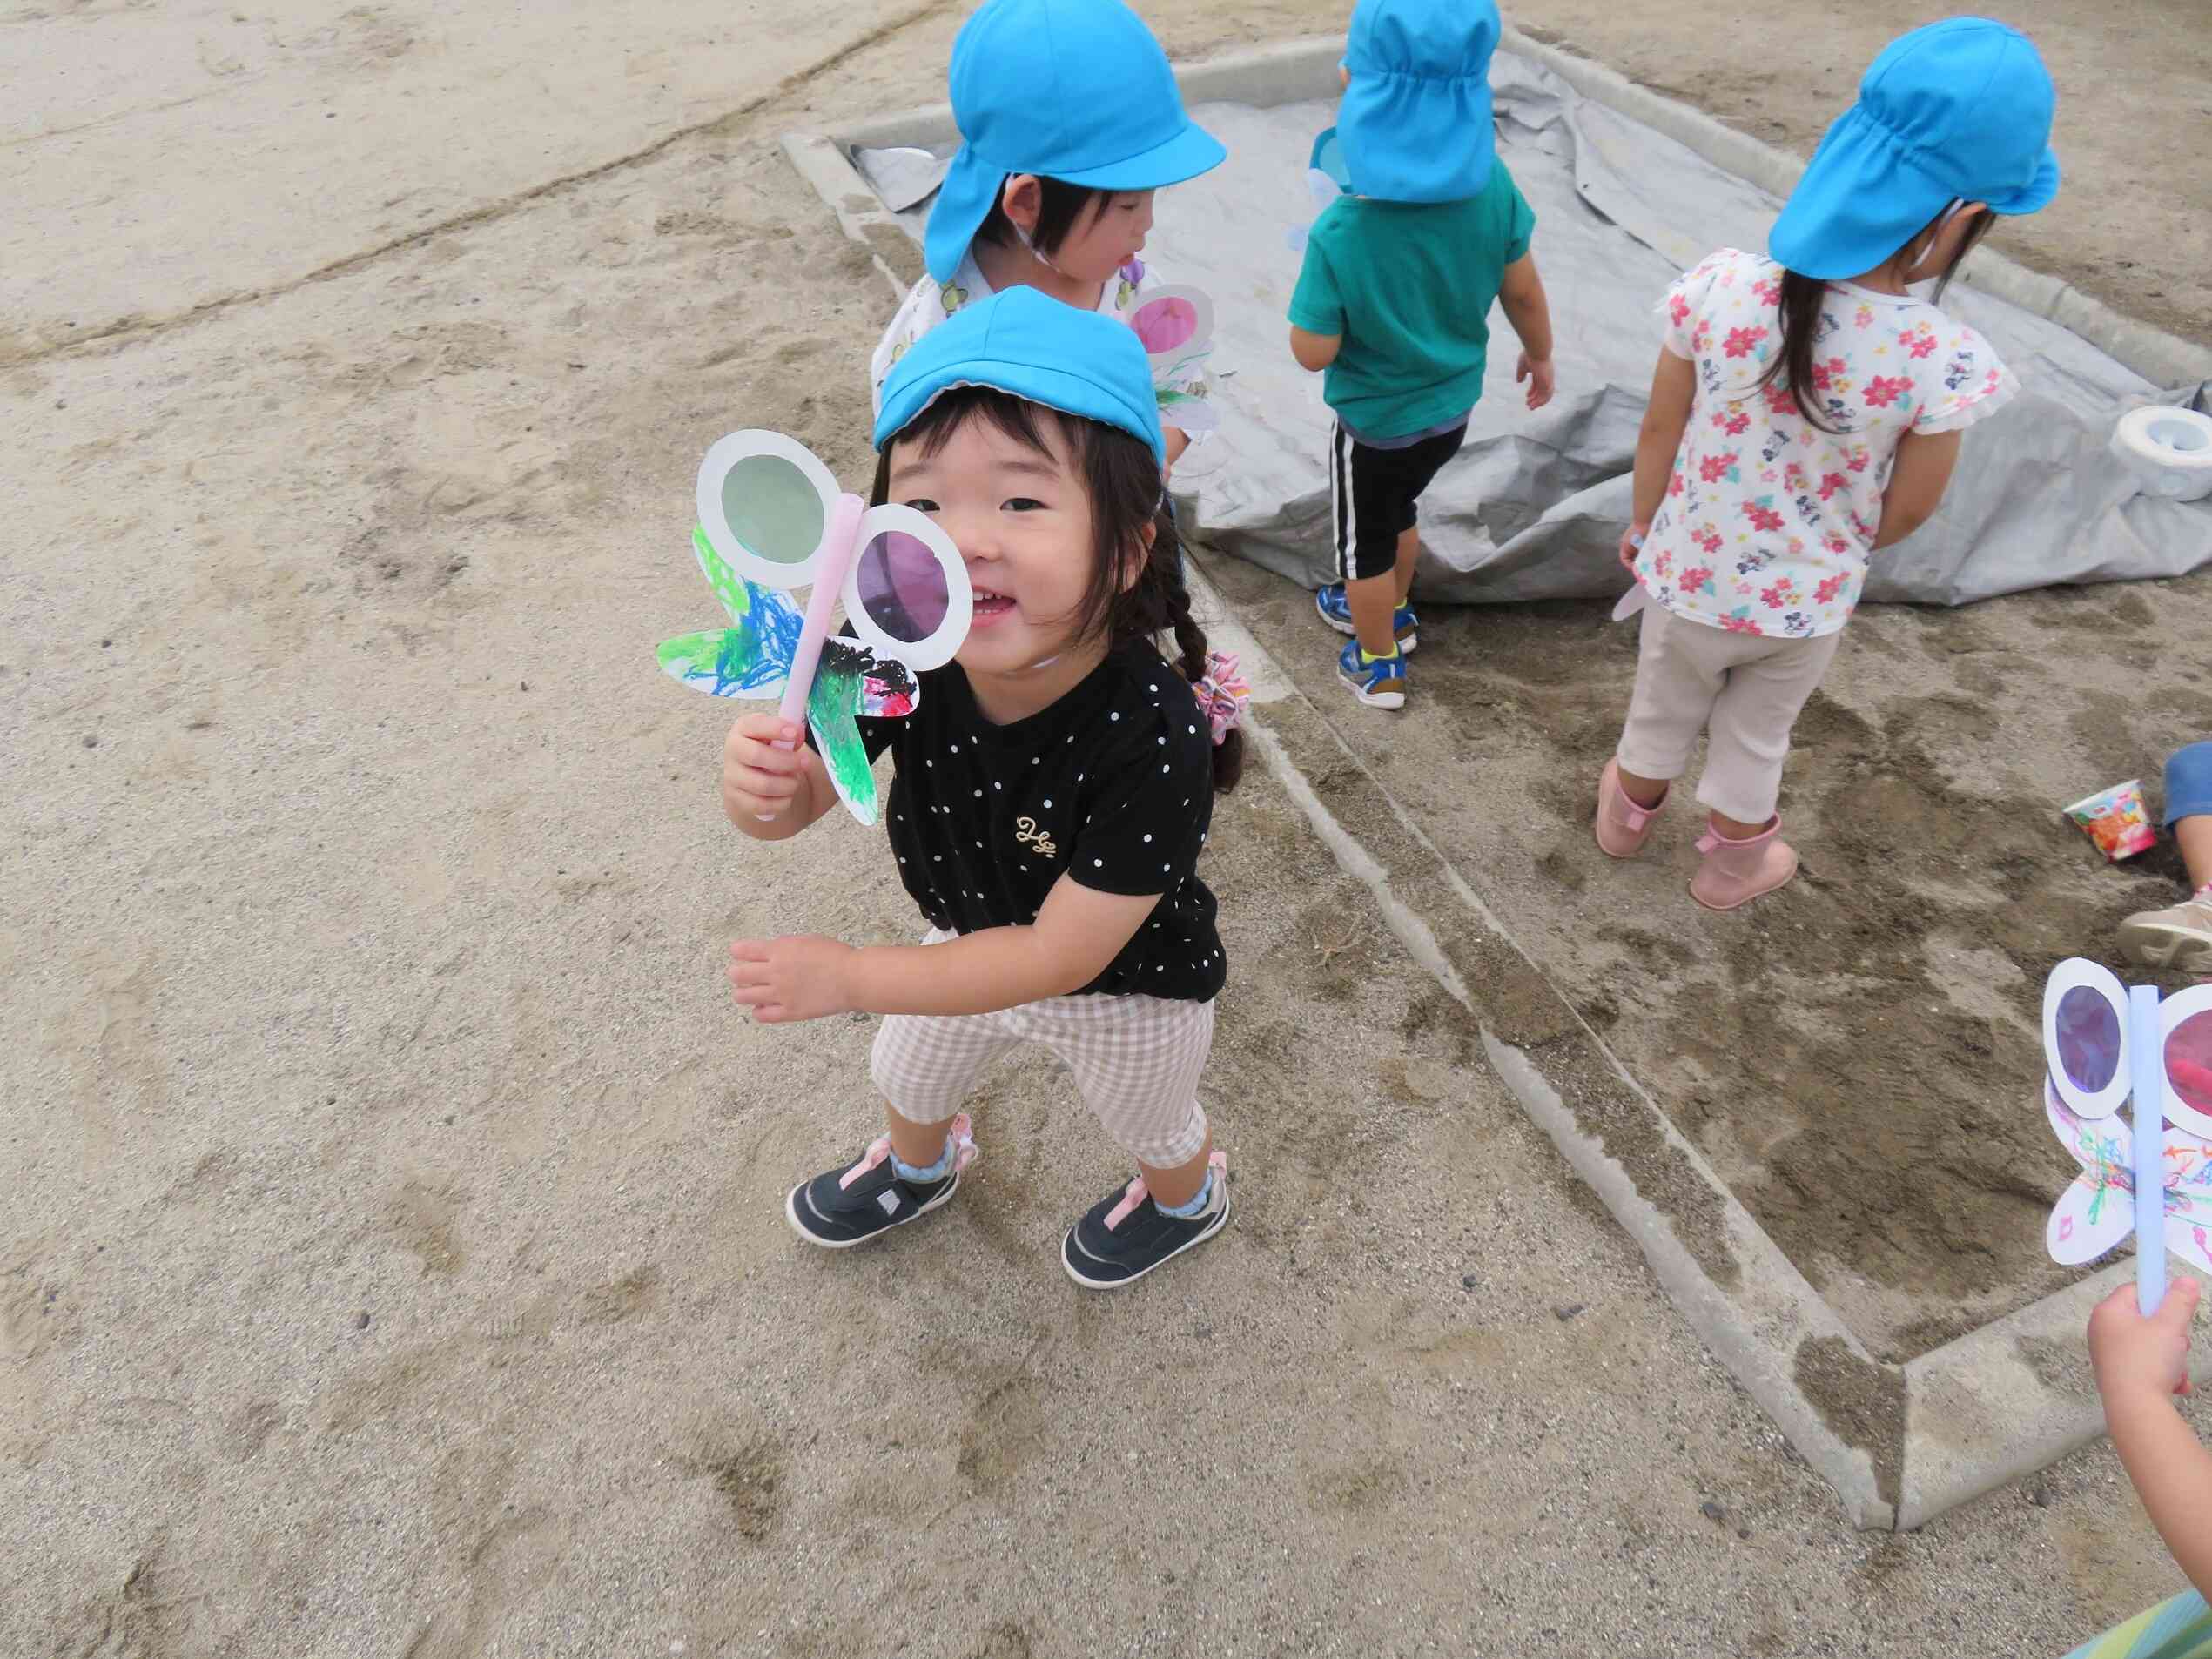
x: 1112, y: 785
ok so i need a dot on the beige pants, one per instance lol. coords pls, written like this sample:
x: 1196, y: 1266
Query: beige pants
x: 1743, y: 690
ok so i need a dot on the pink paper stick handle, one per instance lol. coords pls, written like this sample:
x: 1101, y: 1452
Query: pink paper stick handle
x: 2147, y: 1062
x: 837, y: 553
x: 821, y: 605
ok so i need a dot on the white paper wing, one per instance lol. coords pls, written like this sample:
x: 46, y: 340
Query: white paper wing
x: 2191, y: 1244
x: 2091, y: 1217
x: 2098, y: 1210
x: 1188, y: 413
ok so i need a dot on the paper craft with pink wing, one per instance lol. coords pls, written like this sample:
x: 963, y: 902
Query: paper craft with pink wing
x: 2150, y: 1173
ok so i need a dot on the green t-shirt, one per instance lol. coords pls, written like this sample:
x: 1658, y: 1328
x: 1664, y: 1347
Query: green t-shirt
x: 1410, y: 286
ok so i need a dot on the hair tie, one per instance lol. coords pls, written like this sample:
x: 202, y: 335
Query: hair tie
x: 1222, y: 694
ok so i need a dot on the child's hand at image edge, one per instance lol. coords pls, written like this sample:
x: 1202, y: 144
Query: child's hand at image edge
x: 2137, y: 1358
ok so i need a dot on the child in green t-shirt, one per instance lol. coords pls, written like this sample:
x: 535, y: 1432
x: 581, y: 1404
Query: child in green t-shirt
x: 1393, y: 301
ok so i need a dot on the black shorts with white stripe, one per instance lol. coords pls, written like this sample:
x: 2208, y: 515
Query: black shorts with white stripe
x: 1372, y: 496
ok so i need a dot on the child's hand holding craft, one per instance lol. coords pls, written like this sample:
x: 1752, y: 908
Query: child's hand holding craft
x: 2141, y: 1364
x: 759, y: 780
x: 2137, y: 1358
x: 801, y: 976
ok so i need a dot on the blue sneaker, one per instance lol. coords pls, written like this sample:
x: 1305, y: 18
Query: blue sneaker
x: 1337, y: 613
x: 843, y: 1207
x: 1380, y: 684
x: 1126, y: 1235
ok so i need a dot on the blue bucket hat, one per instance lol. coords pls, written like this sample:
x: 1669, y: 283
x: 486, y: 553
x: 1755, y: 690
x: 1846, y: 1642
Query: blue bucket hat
x: 1327, y: 158
x: 1415, y: 123
x: 1959, y: 111
x: 1028, y: 344
x: 1073, y: 89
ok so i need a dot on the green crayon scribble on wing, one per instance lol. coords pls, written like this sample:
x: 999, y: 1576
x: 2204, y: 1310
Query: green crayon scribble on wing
x: 830, y: 706
x: 729, y: 585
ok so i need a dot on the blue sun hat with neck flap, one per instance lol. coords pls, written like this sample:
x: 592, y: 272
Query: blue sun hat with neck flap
x: 1073, y: 89
x: 1957, y: 112
x: 1029, y: 344
x: 1415, y: 124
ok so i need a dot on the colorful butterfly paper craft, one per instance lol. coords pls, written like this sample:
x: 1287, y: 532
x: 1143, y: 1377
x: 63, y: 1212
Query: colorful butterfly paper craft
x: 2103, y: 1044
x: 1176, y: 324
x: 771, y: 518
x: 2098, y: 1211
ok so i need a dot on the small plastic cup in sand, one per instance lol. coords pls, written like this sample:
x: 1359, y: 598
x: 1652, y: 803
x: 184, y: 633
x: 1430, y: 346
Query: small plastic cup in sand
x: 2115, y: 820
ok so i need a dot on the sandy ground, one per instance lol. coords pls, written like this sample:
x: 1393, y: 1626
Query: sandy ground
x: 1860, y: 1056
x: 392, y: 1263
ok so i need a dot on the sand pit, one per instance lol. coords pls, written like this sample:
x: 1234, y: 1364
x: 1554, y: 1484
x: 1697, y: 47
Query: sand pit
x: 392, y: 1262
x: 1859, y: 1058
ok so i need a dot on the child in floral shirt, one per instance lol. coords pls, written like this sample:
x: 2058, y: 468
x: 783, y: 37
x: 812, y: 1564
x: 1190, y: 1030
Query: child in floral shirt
x: 1769, y: 520
x: 1805, y: 414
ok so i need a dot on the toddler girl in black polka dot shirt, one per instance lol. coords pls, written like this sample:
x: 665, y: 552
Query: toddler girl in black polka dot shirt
x: 1050, y: 798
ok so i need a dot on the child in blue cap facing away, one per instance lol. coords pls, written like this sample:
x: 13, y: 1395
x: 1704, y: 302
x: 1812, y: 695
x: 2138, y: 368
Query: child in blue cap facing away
x: 1805, y: 414
x: 1069, y: 120
x: 1050, y: 795
x: 1394, y: 302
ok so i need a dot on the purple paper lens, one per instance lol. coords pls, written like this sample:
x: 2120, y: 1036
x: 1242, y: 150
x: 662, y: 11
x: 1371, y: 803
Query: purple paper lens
x: 1164, y: 324
x: 2088, y: 1039
x: 902, y: 587
x: 2188, y: 1062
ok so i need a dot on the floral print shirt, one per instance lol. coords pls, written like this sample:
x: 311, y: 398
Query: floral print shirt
x: 932, y: 302
x: 1768, y: 521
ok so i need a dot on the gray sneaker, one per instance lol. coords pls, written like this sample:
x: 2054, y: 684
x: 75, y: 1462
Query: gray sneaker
x: 2179, y: 938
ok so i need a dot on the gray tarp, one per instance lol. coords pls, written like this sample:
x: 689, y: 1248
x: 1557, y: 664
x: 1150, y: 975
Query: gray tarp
x: 1533, y: 506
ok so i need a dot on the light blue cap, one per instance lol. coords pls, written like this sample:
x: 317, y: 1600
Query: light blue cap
x: 1025, y: 343
x: 1415, y: 124
x: 1073, y: 89
x: 1959, y: 111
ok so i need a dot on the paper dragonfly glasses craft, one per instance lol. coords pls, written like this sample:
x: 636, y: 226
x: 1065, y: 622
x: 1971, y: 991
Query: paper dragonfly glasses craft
x: 1327, y: 177
x: 771, y: 518
x: 1176, y: 324
x: 2104, y: 1042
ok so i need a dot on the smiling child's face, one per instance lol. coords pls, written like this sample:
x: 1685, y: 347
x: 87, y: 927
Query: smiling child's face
x: 1022, y: 522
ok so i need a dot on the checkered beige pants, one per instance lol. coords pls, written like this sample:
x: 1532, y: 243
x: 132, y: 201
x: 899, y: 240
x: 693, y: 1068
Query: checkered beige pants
x: 1136, y: 1061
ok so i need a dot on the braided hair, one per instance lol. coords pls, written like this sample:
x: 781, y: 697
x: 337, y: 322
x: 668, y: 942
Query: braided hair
x: 1136, y: 589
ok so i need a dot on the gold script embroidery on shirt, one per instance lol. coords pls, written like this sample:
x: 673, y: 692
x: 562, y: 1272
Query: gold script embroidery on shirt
x: 1025, y: 830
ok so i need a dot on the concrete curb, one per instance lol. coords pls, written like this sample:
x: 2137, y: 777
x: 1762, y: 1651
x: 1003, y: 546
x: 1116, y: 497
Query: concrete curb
x: 2008, y: 1399
x: 1758, y: 1351
x: 1899, y: 1444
